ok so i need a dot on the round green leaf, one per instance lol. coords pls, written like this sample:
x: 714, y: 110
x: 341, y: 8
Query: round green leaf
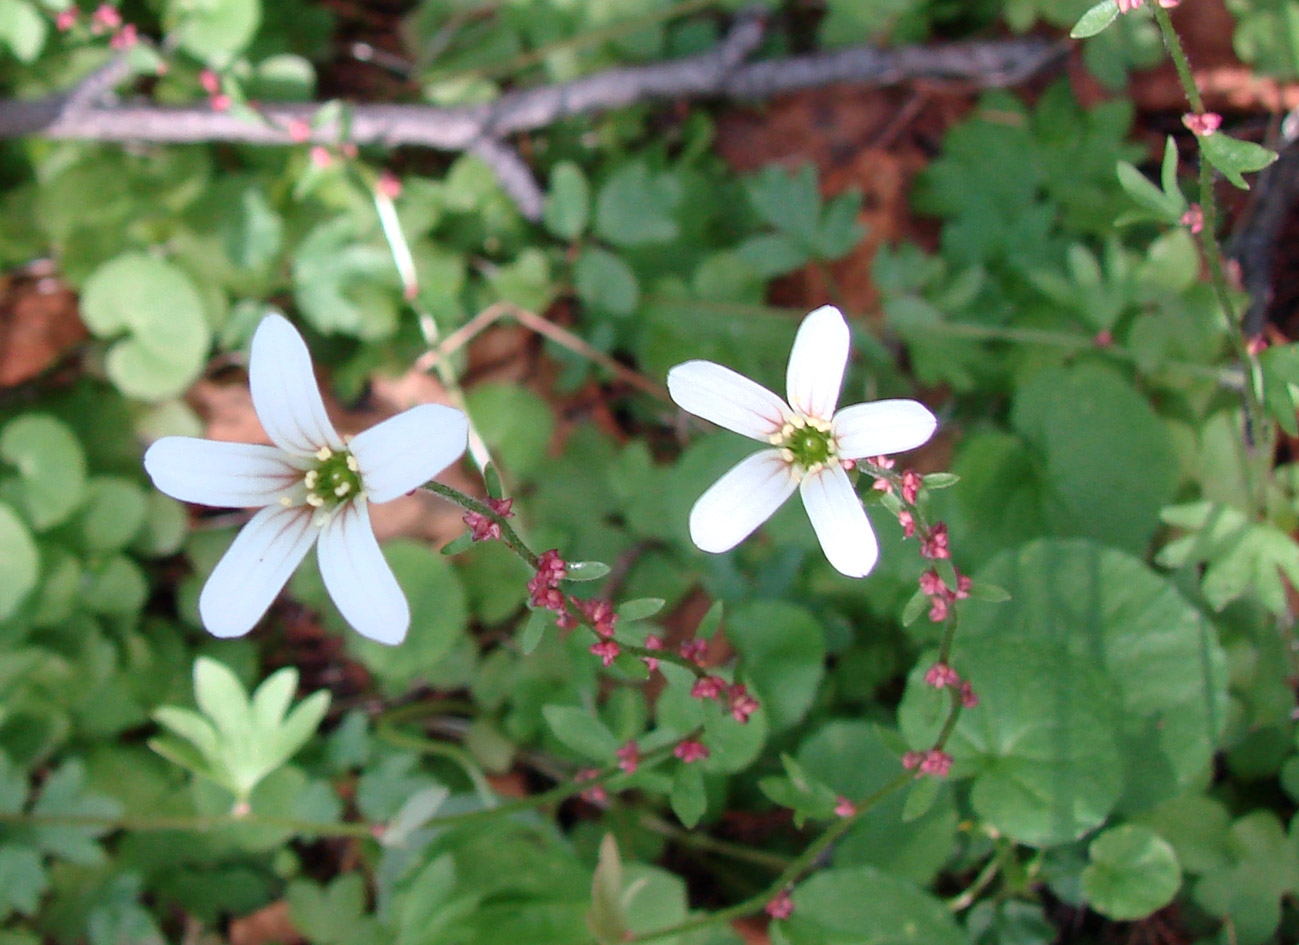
x: 19, y: 561
x: 114, y: 512
x: 1133, y: 872
x: 515, y: 423
x: 51, y: 464
x: 1100, y: 686
x: 158, y: 308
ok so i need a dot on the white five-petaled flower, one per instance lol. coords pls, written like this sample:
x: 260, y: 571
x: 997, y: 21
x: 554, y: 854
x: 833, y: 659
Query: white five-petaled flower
x: 810, y: 442
x: 311, y: 486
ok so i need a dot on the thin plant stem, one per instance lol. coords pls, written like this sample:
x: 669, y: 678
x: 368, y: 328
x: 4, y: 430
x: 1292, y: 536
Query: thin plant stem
x: 1257, y: 430
x: 508, y: 535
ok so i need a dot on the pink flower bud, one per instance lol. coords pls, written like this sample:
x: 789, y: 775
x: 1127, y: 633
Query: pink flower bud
x: 607, y: 650
x: 321, y: 157
x: 389, y: 185
x: 781, y: 907
x: 940, y: 676
x: 106, y: 17
x: 690, y: 749
x: 709, y: 687
x: 299, y: 130
x: 844, y: 807
x: 66, y: 19
x: 1193, y: 218
x: 628, y: 757
x: 1202, y: 124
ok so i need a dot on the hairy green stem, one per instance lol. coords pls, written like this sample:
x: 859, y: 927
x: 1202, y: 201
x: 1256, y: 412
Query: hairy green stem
x: 508, y: 535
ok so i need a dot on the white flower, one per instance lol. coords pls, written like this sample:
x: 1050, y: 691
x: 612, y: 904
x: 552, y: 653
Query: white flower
x: 810, y: 441
x: 311, y: 485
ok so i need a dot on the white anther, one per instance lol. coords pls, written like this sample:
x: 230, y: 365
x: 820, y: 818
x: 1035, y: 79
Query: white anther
x: 315, y: 501
x: 352, y: 464
x: 311, y: 478
x: 286, y: 501
x: 787, y: 455
x: 324, y: 453
x: 340, y: 490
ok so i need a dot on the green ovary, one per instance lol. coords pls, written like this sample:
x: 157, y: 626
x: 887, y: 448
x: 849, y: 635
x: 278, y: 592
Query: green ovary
x: 809, y: 447
x: 336, y: 480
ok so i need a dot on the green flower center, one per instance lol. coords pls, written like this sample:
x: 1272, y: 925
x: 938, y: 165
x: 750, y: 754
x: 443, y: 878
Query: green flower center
x: 334, y: 481
x: 807, y: 444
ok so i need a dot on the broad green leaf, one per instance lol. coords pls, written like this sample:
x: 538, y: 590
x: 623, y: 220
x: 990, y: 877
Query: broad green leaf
x: 640, y: 609
x: 19, y: 561
x: 157, y: 308
x: 1108, y: 458
x: 1072, y: 722
x: 782, y: 654
x: 516, y: 424
x: 114, y: 511
x: 863, y: 904
x: 587, y: 570
x: 605, y: 283
x: 213, y: 31
x: 418, y: 810
x: 22, y: 29
x: 850, y: 758
x: 568, y: 205
x: 22, y: 874
x: 635, y: 206
x: 1133, y: 872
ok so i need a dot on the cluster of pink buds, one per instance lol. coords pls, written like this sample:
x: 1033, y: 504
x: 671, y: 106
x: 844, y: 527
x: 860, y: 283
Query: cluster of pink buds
x: 942, y: 676
x: 66, y: 19
x: 543, y: 588
x: 694, y: 649
x: 1128, y: 6
x: 934, y: 761
x: 1193, y: 218
x: 628, y: 757
x: 1205, y: 123
x: 844, y: 807
x: 882, y: 484
x: 299, y: 131
x: 934, y: 544
x: 781, y: 907
x: 941, y: 596
x: 739, y: 703
x: 601, y: 616
x: 690, y: 749
x: 484, y: 528
x: 911, y: 483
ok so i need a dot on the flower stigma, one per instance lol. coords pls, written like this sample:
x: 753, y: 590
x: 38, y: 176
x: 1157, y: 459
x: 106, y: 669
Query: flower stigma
x: 806, y: 444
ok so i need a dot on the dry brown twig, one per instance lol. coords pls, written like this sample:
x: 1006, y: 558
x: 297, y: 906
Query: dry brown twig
x: 484, y: 129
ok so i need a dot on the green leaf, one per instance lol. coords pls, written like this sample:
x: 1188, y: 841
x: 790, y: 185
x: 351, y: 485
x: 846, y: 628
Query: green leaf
x: 22, y: 875
x: 214, y: 32
x: 635, y: 206
x: 1094, y: 20
x: 568, y: 205
x: 782, y: 651
x: 640, y: 609
x: 22, y: 29
x: 19, y: 561
x: 607, y: 917
x: 534, y: 630
x: 113, y: 513
x: 1280, y: 364
x: 418, y: 810
x: 587, y: 570
x: 689, y: 799
x: 605, y: 283
x: 457, y: 545
x: 1234, y: 157
x: 1072, y: 723
x: 516, y: 425
x: 864, y: 904
x: 158, y: 309
x: 1133, y: 872
x: 581, y: 731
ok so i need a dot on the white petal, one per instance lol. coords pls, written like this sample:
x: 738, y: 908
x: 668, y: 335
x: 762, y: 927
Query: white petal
x: 817, y: 362
x: 255, y: 567
x: 408, y: 450
x: 284, y: 390
x: 211, y: 472
x: 882, y: 427
x: 839, y: 521
x: 727, y: 399
x: 740, y: 501
x: 358, y: 578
